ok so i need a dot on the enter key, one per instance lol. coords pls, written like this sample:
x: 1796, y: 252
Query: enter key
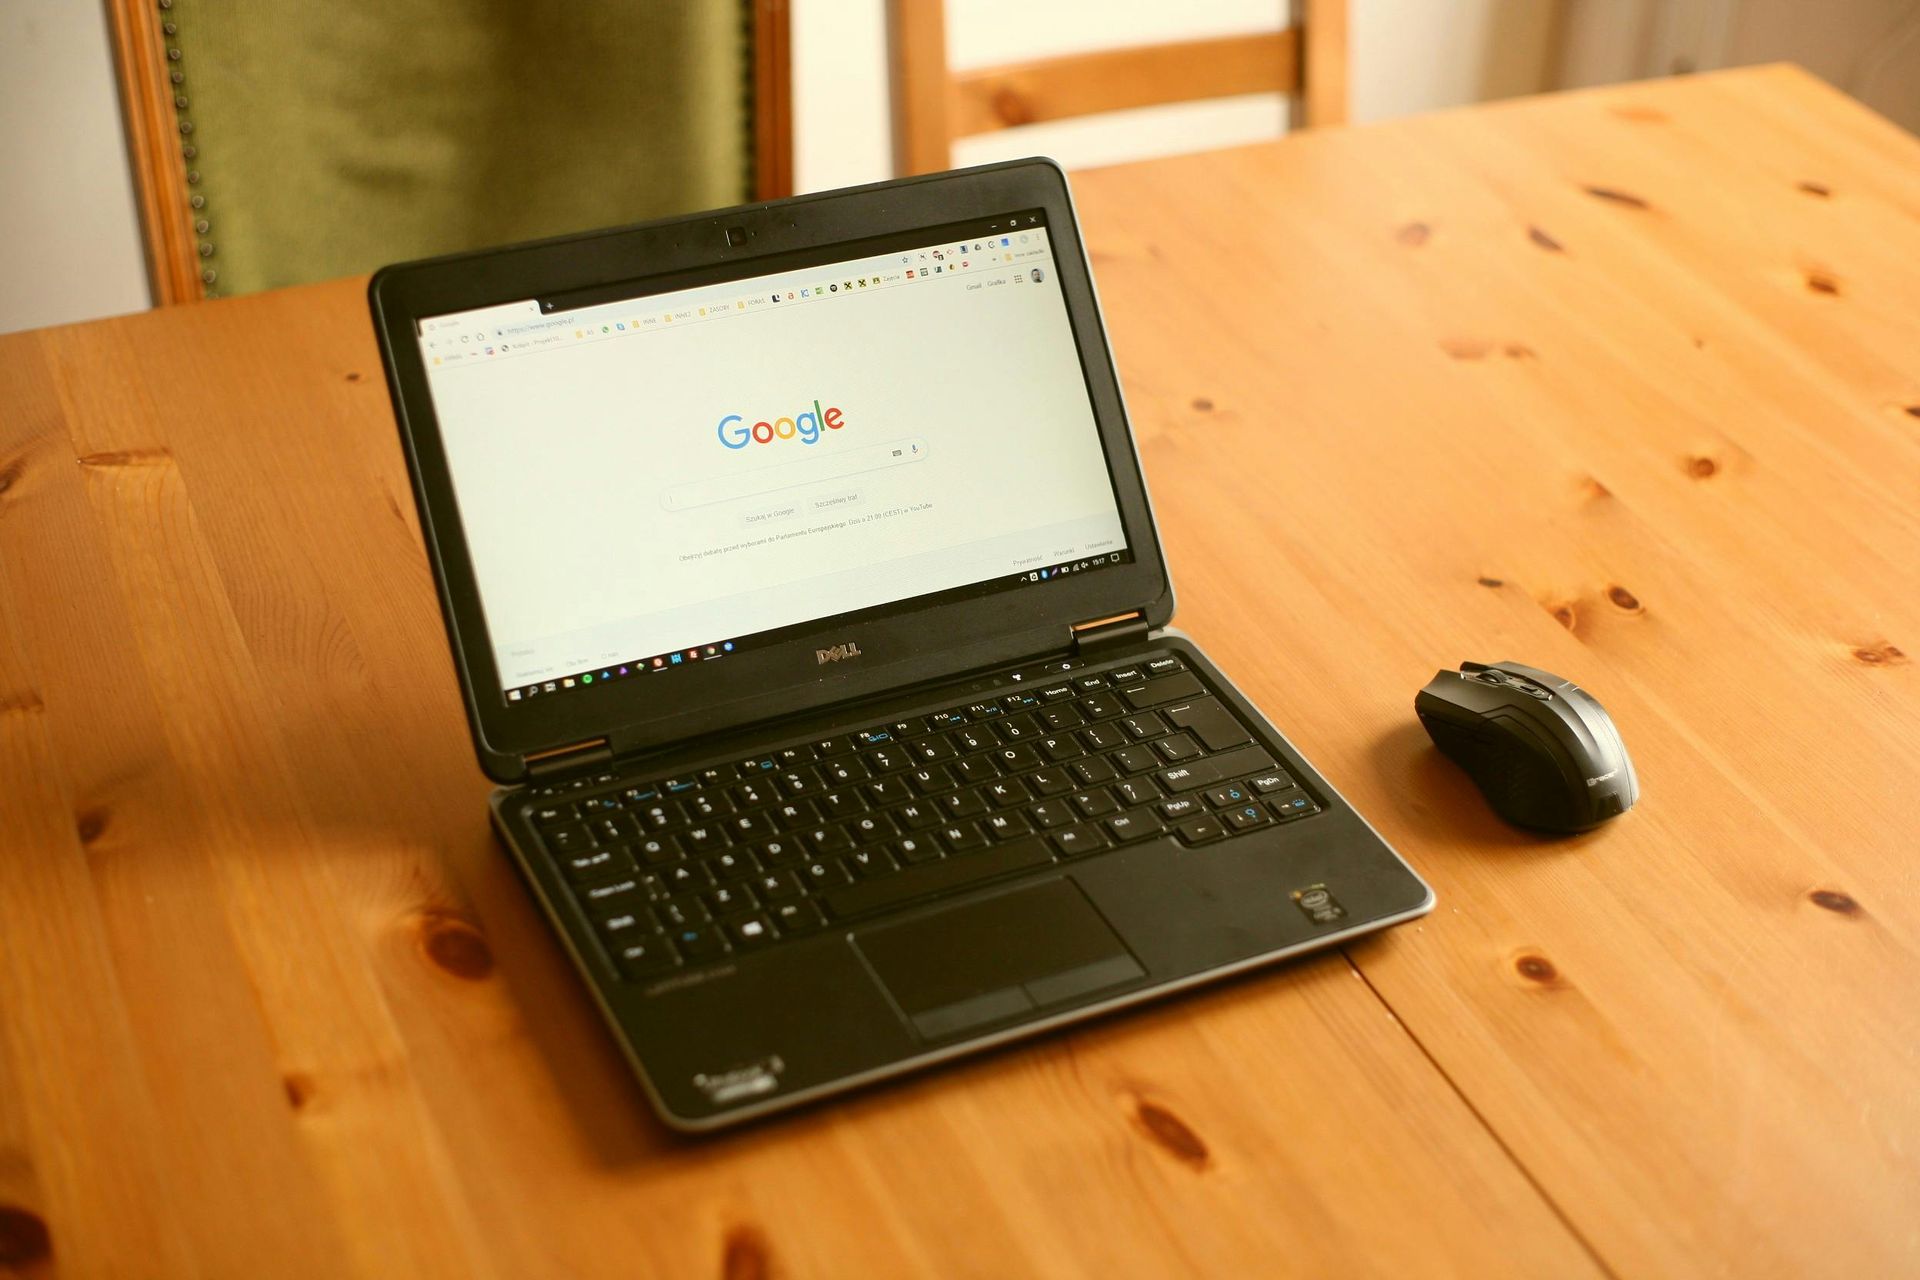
x: 1210, y: 722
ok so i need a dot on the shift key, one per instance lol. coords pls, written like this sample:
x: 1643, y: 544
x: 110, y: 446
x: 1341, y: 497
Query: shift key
x: 1204, y: 773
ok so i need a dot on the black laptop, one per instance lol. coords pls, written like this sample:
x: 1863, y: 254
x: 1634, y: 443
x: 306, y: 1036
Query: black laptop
x: 808, y: 606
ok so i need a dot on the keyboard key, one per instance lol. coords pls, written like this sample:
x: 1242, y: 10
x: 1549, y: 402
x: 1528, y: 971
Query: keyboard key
x: 887, y: 759
x: 824, y: 873
x: 1017, y: 728
x: 824, y: 748
x: 776, y: 886
x: 1290, y: 807
x: 703, y: 839
x: 1231, y: 794
x: 1126, y: 675
x: 617, y: 928
x: 1200, y: 830
x: 1103, y: 737
x: 974, y: 769
x: 1092, y: 772
x: 825, y: 840
x: 1005, y: 826
x: 708, y: 804
x: 917, y: 816
x: 751, y: 795
x: 887, y: 791
x: 1056, y: 692
x: 729, y: 898
x: 870, y: 827
x: 1016, y: 759
x: 1051, y: 813
x: 1163, y: 690
x: 962, y: 804
x: 975, y: 738
x: 797, y: 782
x: 845, y: 771
x: 1182, y: 807
x: 795, y: 813
x: 1268, y: 783
x: 1008, y: 791
x: 1164, y: 665
x: 962, y: 836
x: 1079, y: 839
x: 597, y: 862
x: 841, y: 804
x: 1211, y: 769
x: 780, y: 853
x: 614, y: 896
x: 946, y: 719
x: 1136, y: 791
x: 731, y: 864
x: 1092, y: 804
x: 939, y: 877
x: 704, y: 943
x: 1089, y: 684
x: 572, y: 838
x: 1058, y: 747
x: 982, y: 710
x: 931, y: 750
x: 749, y: 826
x: 865, y: 863
x: 1134, y: 759
x: 1065, y: 716
x: 1101, y: 706
x: 1245, y: 816
x: 928, y: 781
x: 1210, y: 722
x: 1143, y: 726
x: 1049, y: 782
x: 548, y: 816
x: 750, y: 931
x: 1135, y: 824
x: 685, y: 877
x: 872, y: 737
x: 640, y: 957
x: 797, y: 917
x: 1178, y: 747
x: 911, y: 849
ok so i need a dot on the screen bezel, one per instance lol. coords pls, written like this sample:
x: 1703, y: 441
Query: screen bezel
x: 910, y: 641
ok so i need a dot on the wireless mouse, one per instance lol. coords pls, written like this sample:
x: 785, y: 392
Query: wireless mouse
x: 1540, y: 748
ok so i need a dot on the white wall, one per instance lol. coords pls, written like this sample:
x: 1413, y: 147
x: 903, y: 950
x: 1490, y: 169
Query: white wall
x: 69, y: 231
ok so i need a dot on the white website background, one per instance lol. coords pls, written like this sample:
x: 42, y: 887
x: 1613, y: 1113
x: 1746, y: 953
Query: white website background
x: 608, y: 521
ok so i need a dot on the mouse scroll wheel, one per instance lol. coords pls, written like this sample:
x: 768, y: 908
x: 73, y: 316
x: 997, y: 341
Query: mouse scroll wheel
x: 1491, y: 677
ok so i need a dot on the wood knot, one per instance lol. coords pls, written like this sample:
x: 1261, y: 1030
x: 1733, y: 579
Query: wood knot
x: 1701, y: 467
x: 1820, y: 189
x: 1485, y: 581
x: 1544, y: 240
x: 1466, y: 348
x: 1519, y: 351
x: 91, y: 825
x: 1202, y: 404
x: 1564, y: 615
x: 1536, y: 968
x: 299, y: 1089
x: 1913, y: 411
x: 1613, y: 195
x: 1009, y: 108
x: 744, y: 1255
x: 1835, y: 901
x: 1414, y: 233
x: 1879, y: 655
x: 1823, y: 282
x: 1172, y: 1134
x: 23, y: 1236
x: 353, y: 375
x: 1623, y: 598
x: 10, y: 473
x: 455, y: 945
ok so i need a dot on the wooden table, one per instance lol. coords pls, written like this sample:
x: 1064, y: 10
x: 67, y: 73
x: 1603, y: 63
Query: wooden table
x: 1623, y: 383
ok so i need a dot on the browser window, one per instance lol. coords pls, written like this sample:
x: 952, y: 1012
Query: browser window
x: 669, y: 478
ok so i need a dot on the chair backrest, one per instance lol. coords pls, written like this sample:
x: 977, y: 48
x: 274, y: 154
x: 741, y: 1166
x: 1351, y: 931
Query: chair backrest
x: 281, y: 141
x: 934, y: 105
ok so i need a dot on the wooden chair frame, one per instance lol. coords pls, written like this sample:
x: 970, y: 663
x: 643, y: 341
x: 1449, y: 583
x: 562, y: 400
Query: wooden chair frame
x: 161, y: 149
x: 932, y: 106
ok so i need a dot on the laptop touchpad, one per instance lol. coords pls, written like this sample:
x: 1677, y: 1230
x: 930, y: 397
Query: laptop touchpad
x: 988, y: 961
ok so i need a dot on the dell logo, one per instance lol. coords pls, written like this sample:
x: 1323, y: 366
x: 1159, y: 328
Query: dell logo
x: 839, y: 651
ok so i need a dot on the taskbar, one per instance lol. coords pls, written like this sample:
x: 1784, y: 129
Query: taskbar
x: 653, y: 664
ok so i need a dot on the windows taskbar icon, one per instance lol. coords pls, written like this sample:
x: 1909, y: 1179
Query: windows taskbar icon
x: 618, y: 671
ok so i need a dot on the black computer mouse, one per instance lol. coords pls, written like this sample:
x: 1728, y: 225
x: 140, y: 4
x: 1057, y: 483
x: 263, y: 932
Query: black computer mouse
x: 1541, y: 749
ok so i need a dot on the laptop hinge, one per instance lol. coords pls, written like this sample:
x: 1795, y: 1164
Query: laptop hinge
x: 1110, y: 633
x: 579, y: 755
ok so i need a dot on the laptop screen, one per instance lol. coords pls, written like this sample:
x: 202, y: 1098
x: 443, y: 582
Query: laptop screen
x: 653, y: 478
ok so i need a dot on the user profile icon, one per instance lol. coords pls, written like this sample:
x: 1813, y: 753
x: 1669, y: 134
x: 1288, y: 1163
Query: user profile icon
x: 1037, y: 275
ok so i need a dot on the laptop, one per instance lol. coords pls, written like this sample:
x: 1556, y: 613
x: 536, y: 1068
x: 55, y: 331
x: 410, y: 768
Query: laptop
x: 808, y: 607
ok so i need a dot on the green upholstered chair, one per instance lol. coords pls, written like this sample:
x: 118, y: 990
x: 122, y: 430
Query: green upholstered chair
x: 283, y: 141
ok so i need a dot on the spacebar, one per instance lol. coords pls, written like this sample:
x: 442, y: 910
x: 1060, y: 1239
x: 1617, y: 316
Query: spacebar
x: 937, y: 877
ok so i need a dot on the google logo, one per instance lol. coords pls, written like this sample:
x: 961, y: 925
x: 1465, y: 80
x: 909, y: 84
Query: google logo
x: 736, y: 434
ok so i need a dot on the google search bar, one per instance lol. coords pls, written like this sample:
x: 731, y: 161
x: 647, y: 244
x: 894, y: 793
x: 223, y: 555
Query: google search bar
x: 837, y: 465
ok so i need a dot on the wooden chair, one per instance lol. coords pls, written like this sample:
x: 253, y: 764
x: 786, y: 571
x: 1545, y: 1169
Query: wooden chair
x: 933, y: 106
x: 280, y: 141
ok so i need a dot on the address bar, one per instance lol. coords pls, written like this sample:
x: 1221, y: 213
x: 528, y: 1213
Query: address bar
x: 836, y: 465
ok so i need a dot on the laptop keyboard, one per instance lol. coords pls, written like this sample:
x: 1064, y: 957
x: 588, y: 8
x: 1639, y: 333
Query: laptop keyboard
x: 734, y: 858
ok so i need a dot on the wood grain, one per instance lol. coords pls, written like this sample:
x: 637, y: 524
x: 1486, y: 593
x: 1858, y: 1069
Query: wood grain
x: 272, y: 1002
x: 147, y: 94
